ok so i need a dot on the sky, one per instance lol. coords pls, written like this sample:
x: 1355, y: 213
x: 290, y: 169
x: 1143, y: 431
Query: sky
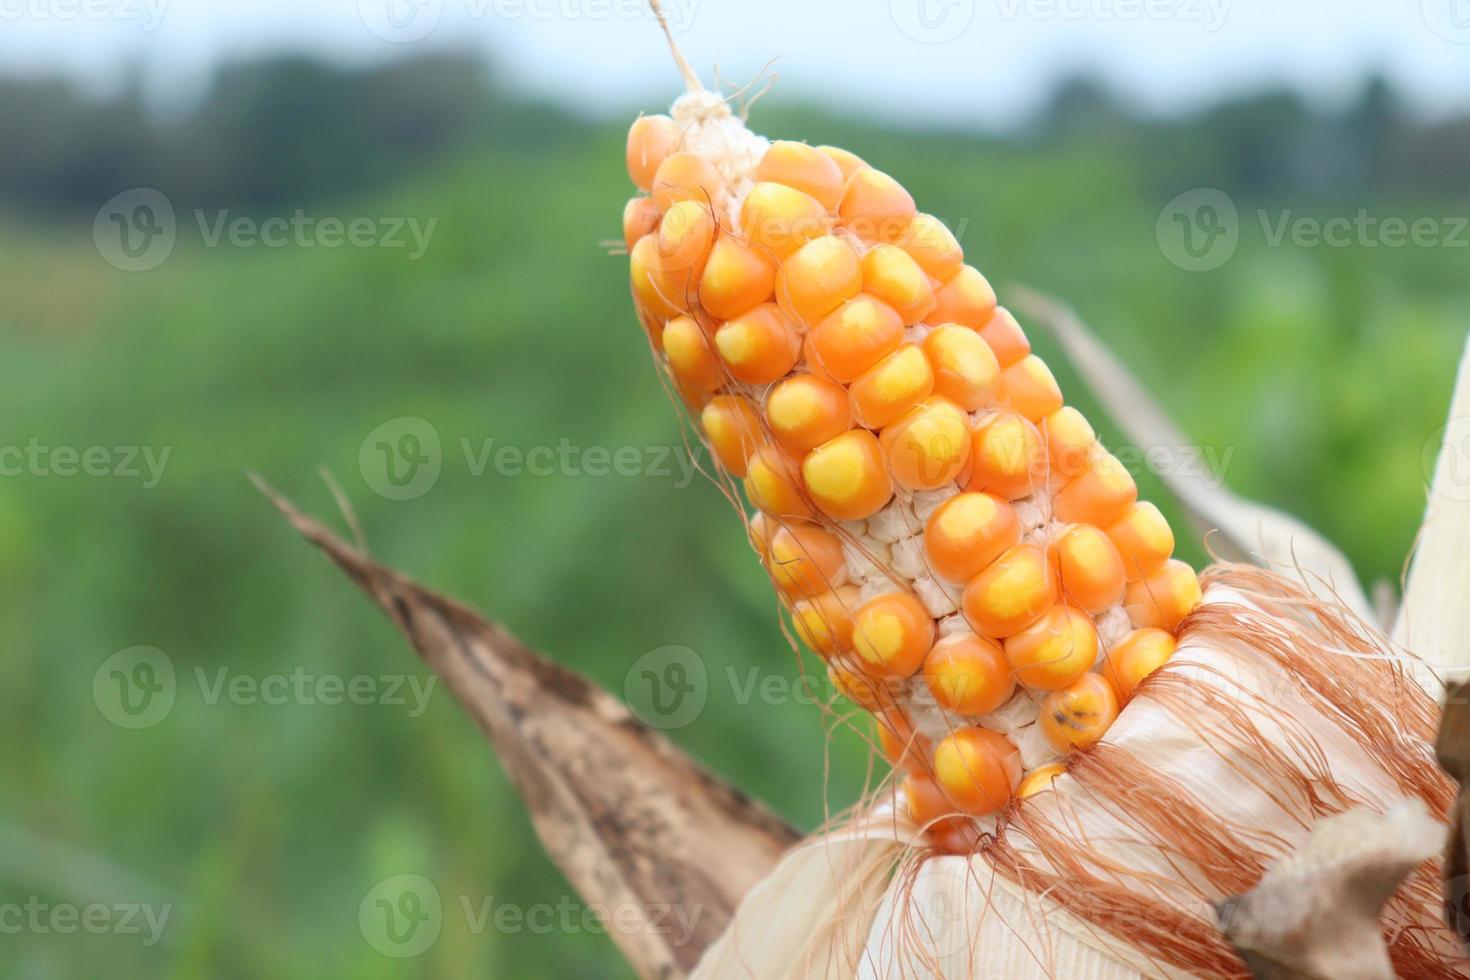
x: 970, y: 62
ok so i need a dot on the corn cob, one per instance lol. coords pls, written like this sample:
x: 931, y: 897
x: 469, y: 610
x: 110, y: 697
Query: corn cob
x: 948, y: 536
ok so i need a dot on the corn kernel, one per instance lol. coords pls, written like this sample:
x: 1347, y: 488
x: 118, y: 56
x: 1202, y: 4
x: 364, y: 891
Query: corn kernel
x: 686, y: 176
x: 968, y: 674
x: 847, y: 162
x: 646, y: 275
x: 759, y: 346
x: 933, y: 246
x: 854, y: 337
x: 846, y: 477
x: 819, y: 277
x: 782, y: 219
x: 804, y: 168
x: 965, y: 369
x: 737, y: 277
x: 689, y: 354
x: 903, y: 747
x: 758, y: 528
x: 824, y: 622
x: 1144, y: 539
x: 890, y: 274
x: 1089, y: 569
x: 805, y: 411
x: 650, y: 140
x: 1069, y: 441
x: 888, y: 389
x: 1100, y: 495
x: 977, y: 769
x: 1164, y: 598
x: 965, y: 298
x: 1028, y: 387
x: 1076, y: 716
x: 772, y: 484
x: 875, y: 207
x: 1006, y: 457
x: 733, y: 430
x: 684, y: 240
x: 929, y: 446
x: 1005, y: 337
x: 891, y: 633
x: 1039, y: 779
x: 1053, y: 652
x: 1016, y: 591
x: 640, y: 217
x: 967, y: 533
x: 805, y: 560
x: 854, y: 682
x: 1139, y: 654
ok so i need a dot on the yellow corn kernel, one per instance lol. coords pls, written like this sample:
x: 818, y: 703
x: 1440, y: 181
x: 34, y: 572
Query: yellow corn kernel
x: 1144, y: 539
x: 733, y: 430
x: 1164, y: 598
x: 1138, y: 655
x: 640, y: 217
x: 854, y: 682
x: 1100, y: 495
x: 847, y: 162
x: 854, y: 337
x: 1039, y: 779
x: 819, y: 277
x: 977, y: 769
x: 685, y: 176
x: 891, y: 634
x: 804, y: 168
x: 760, y: 345
x: 967, y: 533
x: 772, y: 483
x: 875, y: 207
x: 645, y: 273
x: 1016, y: 591
x: 805, y: 560
x: 901, y: 745
x: 689, y: 354
x: 650, y: 140
x: 888, y: 389
x: 965, y: 369
x: 1089, y: 569
x: 1006, y: 457
x: 1053, y: 652
x: 1005, y: 337
x: 805, y: 411
x: 846, y: 478
x: 968, y: 674
x: 1069, y: 440
x: 758, y: 528
x: 737, y: 277
x: 782, y: 219
x: 965, y: 298
x: 933, y: 246
x: 1076, y: 716
x: 890, y: 274
x: 1028, y: 387
x: 929, y: 446
x: 684, y: 240
x: 824, y: 622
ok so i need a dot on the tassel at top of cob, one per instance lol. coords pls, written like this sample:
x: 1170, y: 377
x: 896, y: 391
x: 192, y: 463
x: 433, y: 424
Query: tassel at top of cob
x: 974, y: 568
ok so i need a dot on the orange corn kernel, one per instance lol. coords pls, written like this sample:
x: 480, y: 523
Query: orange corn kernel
x: 965, y: 298
x: 646, y: 274
x: 650, y: 140
x: 1139, y: 654
x: 1144, y: 539
x: 1005, y: 337
x: 968, y: 674
x: 933, y: 246
x: 805, y: 168
x: 932, y: 811
x: 854, y: 337
x: 640, y: 217
x: 875, y: 207
x: 965, y: 369
x: 1077, y: 716
x: 824, y: 622
x: 733, y: 431
x: 903, y: 747
x: 737, y: 277
x: 1040, y: 779
x: 1013, y: 593
x: 759, y: 346
x: 890, y: 274
x: 685, y: 176
x: 846, y: 476
x: 1089, y: 568
x: 805, y: 411
x: 689, y: 354
x: 978, y: 769
x: 929, y: 446
x: 888, y: 389
x: 759, y: 528
x: 1164, y: 598
x: 891, y: 634
x: 847, y: 162
x: 782, y: 219
x: 1007, y: 458
x: 1069, y: 441
x: 1053, y: 652
x: 685, y: 237
x: 1100, y: 495
x: 967, y: 533
x: 1028, y: 387
x: 819, y: 277
x: 805, y: 560
x: 854, y: 683
x: 772, y: 483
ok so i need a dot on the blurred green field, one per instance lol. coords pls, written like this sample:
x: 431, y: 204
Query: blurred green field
x: 1318, y: 373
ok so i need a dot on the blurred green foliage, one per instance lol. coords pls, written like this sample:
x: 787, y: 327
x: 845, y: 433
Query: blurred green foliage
x: 1317, y: 374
